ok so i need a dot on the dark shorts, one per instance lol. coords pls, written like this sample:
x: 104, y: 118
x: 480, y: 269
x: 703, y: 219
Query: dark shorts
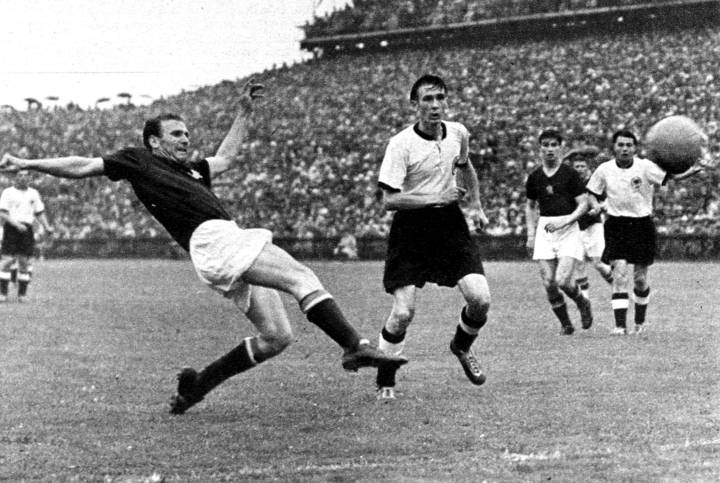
x: 631, y: 239
x: 16, y: 242
x: 430, y: 245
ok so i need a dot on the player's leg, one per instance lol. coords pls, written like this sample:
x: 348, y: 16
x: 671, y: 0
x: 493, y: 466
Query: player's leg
x: 620, y: 299
x: 581, y: 278
x: 554, y: 295
x: 267, y: 313
x: 392, y: 337
x: 6, y: 262
x: 474, y: 288
x: 641, y: 294
x: 604, y: 269
x: 23, y: 276
x: 275, y: 268
x: 564, y: 277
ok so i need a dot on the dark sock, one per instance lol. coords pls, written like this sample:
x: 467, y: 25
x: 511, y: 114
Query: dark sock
x: 13, y: 275
x: 4, y: 284
x: 386, y: 374
x: 234, y: 362
x: 557, y: 302
x: 23, y: 282
x: 620, y: 302
x: 641, y: 304
x: 320, y: 309
x: 463, y: 338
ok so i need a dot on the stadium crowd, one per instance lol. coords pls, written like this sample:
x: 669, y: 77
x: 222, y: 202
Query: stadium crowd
x: 311, y: 162
x: 378, y: 15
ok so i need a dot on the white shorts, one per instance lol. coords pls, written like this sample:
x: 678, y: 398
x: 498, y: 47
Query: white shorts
x: 221, y: 252
x: 593, y: 240
x: 562, y: 243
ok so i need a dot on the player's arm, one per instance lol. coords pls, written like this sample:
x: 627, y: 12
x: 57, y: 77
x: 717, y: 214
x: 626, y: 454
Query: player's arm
x: 231, y: 145
x: 531, y: 219
x: 63, y: 167
x: 469, y: 181
x: 581, y: 208
x: 42, y: 219
x: 397, y: 200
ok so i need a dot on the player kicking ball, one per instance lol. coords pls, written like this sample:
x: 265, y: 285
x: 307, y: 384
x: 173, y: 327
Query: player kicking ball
x: 242, y: 264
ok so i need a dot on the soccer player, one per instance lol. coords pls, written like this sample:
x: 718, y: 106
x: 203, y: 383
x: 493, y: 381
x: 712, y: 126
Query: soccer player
x: 556, y: 199
x: 628, y: 182
x: 242, y: 264
x: 20, y: 206
x: 591, y: 226
x: 429, y: 238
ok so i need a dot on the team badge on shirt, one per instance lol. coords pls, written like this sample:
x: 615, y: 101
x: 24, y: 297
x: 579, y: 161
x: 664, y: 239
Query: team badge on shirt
x: 195, y: 174
x: 636, y: 183
x: 549, y: 189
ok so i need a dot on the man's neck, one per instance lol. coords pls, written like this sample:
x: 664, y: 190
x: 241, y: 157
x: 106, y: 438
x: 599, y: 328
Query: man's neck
x: 624, y: 163
x: 550, y: 166
x: 432, y: 129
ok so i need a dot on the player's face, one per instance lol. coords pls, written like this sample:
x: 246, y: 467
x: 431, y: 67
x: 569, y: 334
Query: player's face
x: 22, y: 180
x: 624, y: 148
x: 431, y: 104
x: 173, y: 142
x: 550, y: 149
x: 582, y: 168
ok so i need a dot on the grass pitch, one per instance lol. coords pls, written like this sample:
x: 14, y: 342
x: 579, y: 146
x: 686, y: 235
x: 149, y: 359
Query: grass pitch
x: 87, y: 367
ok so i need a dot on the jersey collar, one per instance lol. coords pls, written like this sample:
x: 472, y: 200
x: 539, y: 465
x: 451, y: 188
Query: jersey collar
x: 427, y: 137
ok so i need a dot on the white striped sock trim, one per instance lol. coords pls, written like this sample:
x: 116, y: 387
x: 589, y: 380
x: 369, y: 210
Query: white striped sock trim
x: 467, y: 329
x: 389, y: 347
x: 641, y: 300
x: 248, y: 348
x: 620, y: 303
x: 23, y: 277
x: 4, y: 275
x: 316, y: 301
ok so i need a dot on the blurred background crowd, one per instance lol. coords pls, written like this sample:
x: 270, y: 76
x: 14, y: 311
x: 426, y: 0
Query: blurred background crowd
x: 377, y: 15
x: 310, y: 164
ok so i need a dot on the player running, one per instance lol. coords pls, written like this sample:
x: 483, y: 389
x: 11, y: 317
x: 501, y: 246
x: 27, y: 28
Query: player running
x: 429, y: 238
x: 20, y: 206
x: 590, y: 223
x: 555, y: 201
x: 242, y: 264
x: 628, y: 183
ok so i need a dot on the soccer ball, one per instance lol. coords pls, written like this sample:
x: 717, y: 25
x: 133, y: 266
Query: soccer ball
x: 675, y: 143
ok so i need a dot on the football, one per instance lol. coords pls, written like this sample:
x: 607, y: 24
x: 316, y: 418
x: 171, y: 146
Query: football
x: 675, y: 143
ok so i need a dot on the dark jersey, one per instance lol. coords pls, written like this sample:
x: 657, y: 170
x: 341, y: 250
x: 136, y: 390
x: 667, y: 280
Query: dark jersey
x: 177, y: 195
x: 555, y: 195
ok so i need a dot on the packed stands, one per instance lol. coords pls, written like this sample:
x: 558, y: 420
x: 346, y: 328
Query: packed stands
x: 311, y: 161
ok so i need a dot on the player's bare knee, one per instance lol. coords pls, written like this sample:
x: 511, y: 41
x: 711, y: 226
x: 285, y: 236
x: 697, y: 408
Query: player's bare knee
x: 275, y: 342
x: 400, y: 318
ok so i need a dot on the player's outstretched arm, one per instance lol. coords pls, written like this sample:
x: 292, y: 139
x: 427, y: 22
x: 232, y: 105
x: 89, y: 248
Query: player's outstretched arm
x: 230, y: 147
x: 64, y: 167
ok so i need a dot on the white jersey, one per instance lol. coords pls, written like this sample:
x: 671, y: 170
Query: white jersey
x: 630, y: 190
x: 21, y: 205
x: 416, y: 164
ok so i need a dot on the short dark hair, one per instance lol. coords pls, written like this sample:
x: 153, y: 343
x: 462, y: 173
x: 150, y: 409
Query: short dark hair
x: 550, y: 133
x: 626, y: 133
x: 426, y: 80
x: 153, y: 126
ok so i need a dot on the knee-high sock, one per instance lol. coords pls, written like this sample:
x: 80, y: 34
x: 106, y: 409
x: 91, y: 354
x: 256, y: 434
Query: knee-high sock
x: 320, y: 309
x: 23, y: 279
x: 557, y: 302
x: 390, y: 344
x: 4, y: 283
x: 642, y: 298
x: 240, y: 359
x: 620, y: 304
x: 467, y: 330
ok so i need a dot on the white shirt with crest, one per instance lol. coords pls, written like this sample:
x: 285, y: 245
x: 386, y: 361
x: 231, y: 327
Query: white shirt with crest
x: 629, y: 190
x: 21, y: 205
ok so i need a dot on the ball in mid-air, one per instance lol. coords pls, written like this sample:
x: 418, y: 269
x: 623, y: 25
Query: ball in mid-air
x: 675, y: 143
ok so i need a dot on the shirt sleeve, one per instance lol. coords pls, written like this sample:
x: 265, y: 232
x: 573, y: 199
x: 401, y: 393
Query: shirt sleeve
x: 655, y: 173
x: 530, y: 192
x: 596, y: 183
x: 4, y: 201
x: 38, y: 205
x: 122, y: 164
x: 393, y: 168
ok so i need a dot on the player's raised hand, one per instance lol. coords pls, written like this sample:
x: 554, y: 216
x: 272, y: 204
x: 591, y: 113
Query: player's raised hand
x: 10, y: 163
x: 251, y: 90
